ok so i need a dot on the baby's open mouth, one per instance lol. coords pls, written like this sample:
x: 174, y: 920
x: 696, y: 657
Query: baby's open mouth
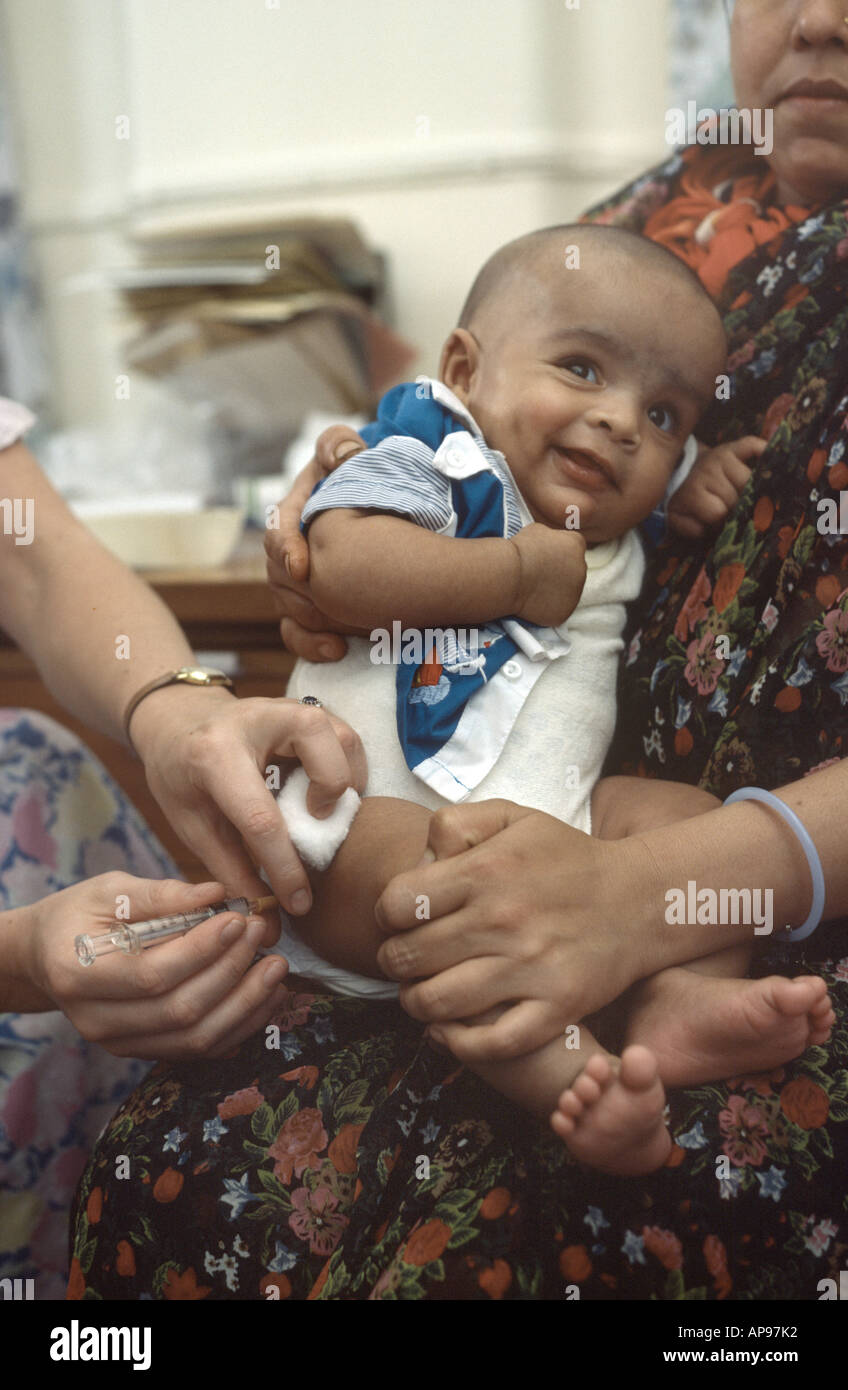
x: 586, y: 469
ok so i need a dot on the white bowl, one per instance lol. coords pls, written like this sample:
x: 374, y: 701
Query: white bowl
x: 168, y: 539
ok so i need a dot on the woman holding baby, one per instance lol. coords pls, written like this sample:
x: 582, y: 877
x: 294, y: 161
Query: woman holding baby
x: 351, y: 1159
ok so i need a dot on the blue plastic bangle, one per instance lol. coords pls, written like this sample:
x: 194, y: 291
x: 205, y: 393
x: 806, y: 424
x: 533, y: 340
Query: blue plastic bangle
x: 817, y: 909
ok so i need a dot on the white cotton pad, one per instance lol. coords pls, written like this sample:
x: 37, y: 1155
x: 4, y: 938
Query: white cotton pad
x: 316, y: 841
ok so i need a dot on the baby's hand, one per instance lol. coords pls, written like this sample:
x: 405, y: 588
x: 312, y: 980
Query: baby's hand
x: 713, y: 487
x: 553, y: 572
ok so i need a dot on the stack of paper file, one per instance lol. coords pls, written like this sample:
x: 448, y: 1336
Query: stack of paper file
x: 262, y: 324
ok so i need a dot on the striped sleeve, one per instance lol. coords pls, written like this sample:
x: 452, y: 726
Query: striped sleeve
x: 396, y: 476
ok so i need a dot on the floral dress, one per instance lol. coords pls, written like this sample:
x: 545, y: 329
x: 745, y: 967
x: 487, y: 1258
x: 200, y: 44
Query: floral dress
x: 337, y: 1156
x: 62, y: 819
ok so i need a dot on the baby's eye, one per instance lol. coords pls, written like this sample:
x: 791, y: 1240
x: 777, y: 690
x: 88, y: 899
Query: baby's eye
x: 663, y: 417
x: 580, y: 367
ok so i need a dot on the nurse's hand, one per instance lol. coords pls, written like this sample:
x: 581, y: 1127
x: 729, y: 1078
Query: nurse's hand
x: 193, y: 996
x: 207, y: 755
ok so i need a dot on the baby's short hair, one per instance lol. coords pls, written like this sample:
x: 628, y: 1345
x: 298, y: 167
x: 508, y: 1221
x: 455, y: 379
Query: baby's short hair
x: 525, y: 251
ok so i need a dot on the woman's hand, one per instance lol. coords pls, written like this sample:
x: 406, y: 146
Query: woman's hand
x: 193, y: 996
x: 512, y: 905
x: 207, y: 756
x: 306, y: 631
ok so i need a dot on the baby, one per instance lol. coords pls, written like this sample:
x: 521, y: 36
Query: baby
x: 513, y: 485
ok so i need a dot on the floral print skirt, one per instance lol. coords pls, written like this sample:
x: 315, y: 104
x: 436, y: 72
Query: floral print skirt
x: 336, y: 1155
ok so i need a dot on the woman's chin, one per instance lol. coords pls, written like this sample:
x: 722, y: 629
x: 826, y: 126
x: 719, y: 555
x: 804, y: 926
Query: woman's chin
x: 816, y: 171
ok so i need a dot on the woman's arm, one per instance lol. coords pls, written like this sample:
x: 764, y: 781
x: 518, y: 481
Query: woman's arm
x: 67, y: 601
x: 389, y: 837
x: 71, y: 606
x: 525, y: 908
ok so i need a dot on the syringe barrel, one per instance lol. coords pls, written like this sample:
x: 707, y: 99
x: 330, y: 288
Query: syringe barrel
x: 155, y: 926
x: 135, y: 936
x: 160, y: 928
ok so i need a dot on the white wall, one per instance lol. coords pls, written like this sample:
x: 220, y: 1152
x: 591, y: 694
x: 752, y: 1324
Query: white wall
x: 444, y: 128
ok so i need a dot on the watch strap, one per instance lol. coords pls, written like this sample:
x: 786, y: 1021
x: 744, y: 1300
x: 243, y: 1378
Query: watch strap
x: 198, y: 676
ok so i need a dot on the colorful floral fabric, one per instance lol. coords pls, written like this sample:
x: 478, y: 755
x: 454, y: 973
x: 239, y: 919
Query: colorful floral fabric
x: 348, y: 1160
x: 335, y: 1156
x: 62, y: 819
x: 737, y: 664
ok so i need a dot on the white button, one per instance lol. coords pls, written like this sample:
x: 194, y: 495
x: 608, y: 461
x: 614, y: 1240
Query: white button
x: 512, y: 670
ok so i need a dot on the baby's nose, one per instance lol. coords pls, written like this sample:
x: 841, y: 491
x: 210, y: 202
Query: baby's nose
x: 619, y: 416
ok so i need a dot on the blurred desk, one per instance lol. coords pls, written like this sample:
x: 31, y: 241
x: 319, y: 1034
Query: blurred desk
x: 223, y: 610
x: 226, y: 609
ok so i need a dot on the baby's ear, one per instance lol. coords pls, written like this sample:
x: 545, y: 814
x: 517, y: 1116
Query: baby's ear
x: 459, y: 362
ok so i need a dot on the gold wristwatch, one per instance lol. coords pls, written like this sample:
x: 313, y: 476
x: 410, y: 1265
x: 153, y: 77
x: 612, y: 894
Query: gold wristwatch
x: 187, y: 675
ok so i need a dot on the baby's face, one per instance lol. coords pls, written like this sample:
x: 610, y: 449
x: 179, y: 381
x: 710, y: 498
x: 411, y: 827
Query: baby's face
x: 589, y: 381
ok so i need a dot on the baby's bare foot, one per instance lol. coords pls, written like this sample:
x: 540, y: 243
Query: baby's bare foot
x: 703, y: 1027
x: 613, y: 1120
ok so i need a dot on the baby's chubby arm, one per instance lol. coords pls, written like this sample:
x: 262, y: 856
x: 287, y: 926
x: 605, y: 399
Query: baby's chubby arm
x: 370, y: 569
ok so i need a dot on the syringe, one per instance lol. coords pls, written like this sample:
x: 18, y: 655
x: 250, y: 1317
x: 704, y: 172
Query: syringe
x: 136, y: 936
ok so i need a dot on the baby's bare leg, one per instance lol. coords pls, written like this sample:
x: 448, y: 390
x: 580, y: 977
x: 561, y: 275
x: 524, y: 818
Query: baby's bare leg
x: 537, y: 1079
x: 610, y: 1114
x: 703, y: 1026
x: 387, y: 837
